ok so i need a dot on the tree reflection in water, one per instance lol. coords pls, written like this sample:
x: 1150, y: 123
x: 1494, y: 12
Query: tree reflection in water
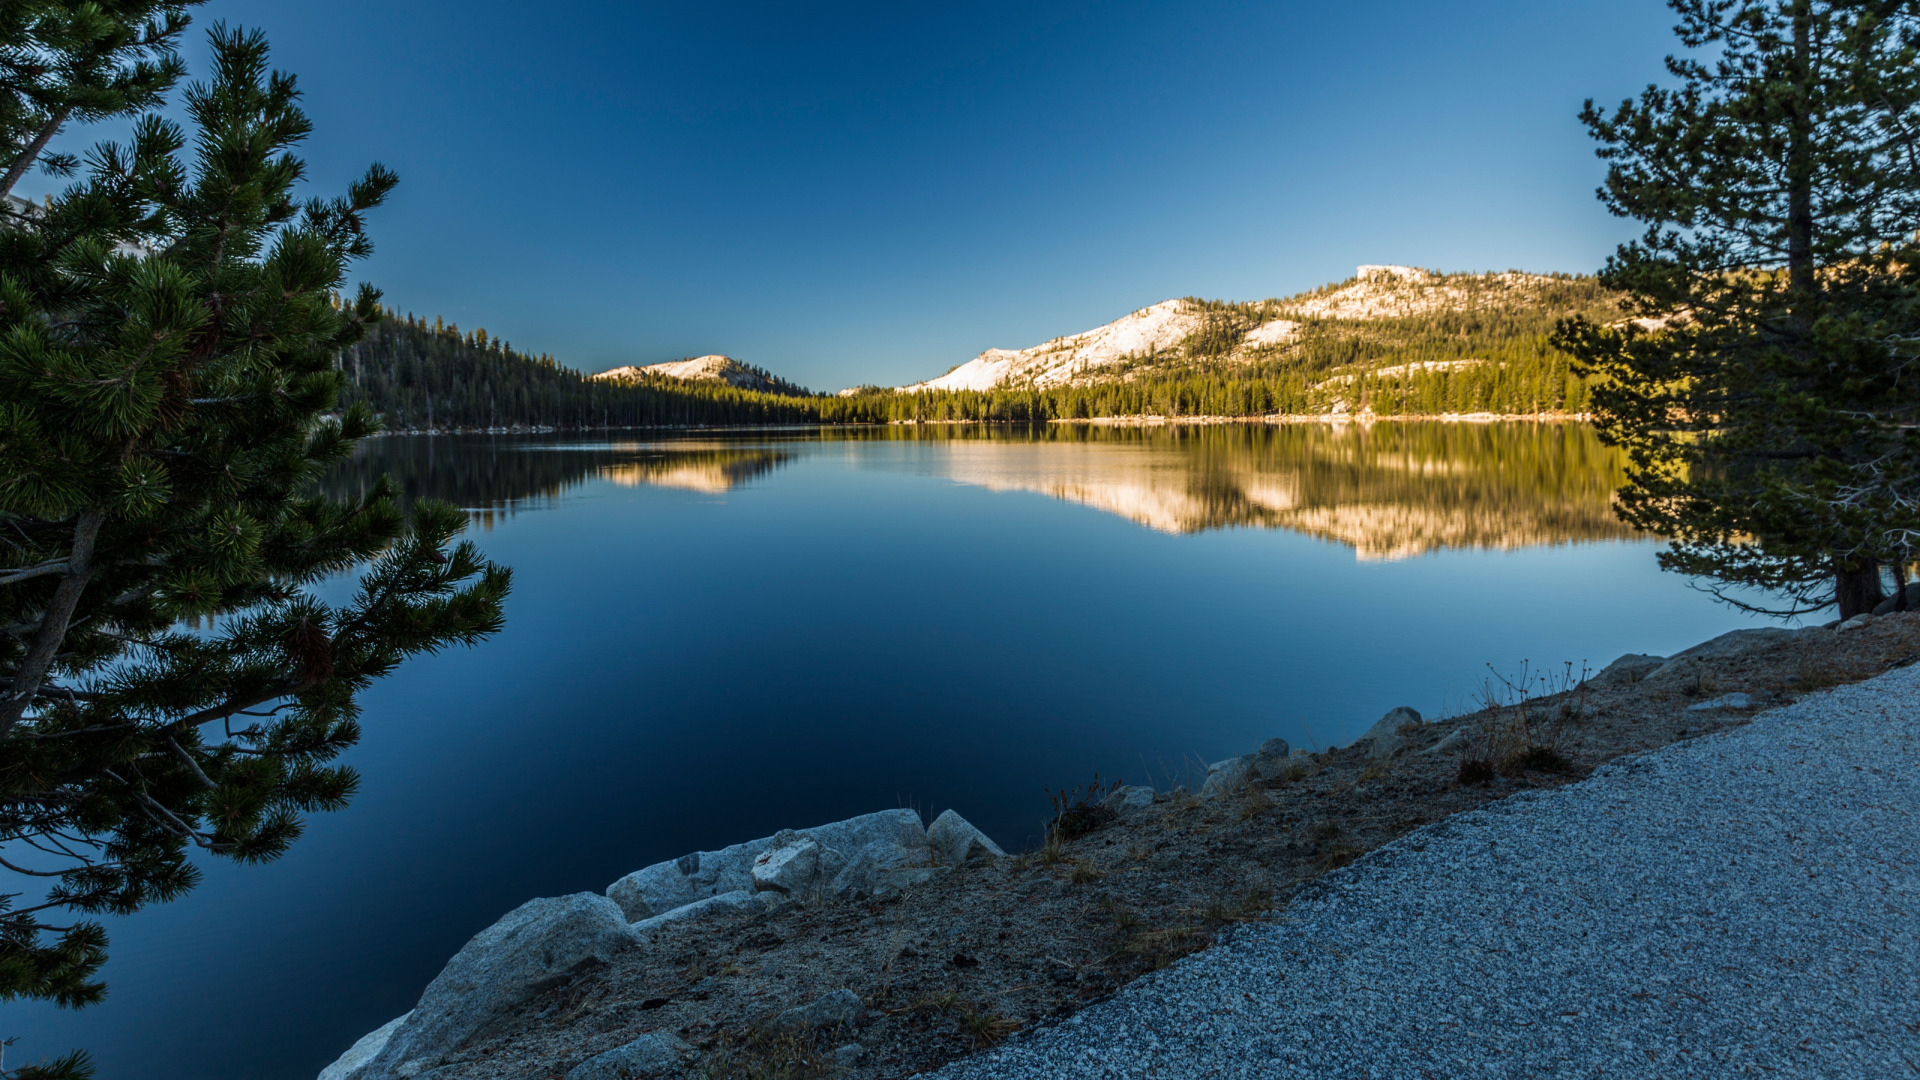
x: 1387, y: 490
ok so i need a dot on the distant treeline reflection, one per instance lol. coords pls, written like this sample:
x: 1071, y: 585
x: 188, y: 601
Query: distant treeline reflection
x: 493, y: 475
x: 1387, y: 490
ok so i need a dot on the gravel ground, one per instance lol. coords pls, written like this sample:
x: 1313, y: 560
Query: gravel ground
x: 1743, y: 903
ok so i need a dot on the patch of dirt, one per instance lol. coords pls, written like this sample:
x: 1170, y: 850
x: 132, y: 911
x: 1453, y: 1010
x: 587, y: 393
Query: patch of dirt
x: 966, y: 960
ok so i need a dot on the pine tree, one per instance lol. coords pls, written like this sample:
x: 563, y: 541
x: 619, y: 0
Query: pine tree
x: 1760, y: 387
x: 168, y: 680
x: 84, y: 61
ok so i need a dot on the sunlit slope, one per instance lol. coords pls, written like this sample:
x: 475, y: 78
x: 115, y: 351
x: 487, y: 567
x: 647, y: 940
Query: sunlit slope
x: 712, y: 368
x: 1387, y: 322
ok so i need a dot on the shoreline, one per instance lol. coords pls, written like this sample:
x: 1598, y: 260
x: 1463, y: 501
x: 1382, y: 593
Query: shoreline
x: 791, y: 948
x: 1145, y: 420
x: 1332, y: 418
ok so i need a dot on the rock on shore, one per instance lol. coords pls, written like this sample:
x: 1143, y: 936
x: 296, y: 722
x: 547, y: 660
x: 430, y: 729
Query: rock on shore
x: 537, y: 944
x: 548, y: 940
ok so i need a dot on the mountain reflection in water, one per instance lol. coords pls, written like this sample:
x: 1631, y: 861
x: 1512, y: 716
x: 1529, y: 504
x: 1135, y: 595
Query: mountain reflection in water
x: 1389, y: 491
x: 1386, y: 490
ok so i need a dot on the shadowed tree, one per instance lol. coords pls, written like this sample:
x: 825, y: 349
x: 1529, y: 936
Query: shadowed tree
x: 84, y: 62
x: 169, y: 678
x: 1763, y: 388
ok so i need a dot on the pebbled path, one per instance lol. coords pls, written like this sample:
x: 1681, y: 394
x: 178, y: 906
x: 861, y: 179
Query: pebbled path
x: 1741, y: 904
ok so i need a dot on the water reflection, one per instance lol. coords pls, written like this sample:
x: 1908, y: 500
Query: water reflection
x: 712, y: 469
x: 860, y: 624
x: 492, y: 477
x: 1388, y: 491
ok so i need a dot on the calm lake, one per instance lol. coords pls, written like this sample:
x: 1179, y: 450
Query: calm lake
x: 712, y: 637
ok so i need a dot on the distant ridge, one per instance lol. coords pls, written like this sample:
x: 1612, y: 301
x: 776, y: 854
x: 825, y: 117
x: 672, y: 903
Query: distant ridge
x: 710, y: 368
x: 1176, y: 331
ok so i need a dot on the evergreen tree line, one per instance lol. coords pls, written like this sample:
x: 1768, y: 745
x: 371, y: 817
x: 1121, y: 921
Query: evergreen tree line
x: 432, y: 376
x: 1495, y: 345
x: 1497, y: 339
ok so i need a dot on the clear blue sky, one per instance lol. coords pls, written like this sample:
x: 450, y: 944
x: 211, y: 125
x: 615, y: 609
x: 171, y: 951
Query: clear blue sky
x: 874, y: 192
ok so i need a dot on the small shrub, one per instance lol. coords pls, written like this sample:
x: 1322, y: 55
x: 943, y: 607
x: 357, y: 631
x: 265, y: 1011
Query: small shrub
x: 1162, y: 947
x: 987, y: 1026
x: 1077, y: 811
x: 1476, y: 771
x: 1326, y: 830
x: 1538, y: 759
x: 1337, y: 855
x: 1254, y: 901
x: 1123, y: 917
x: 1084, y: 872
x: 1814, y: 675
x: 1519, y: 715
x: 947, y: 1001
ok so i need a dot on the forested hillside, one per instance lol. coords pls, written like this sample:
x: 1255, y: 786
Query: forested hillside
x: 1393, y: 344
x: 1392, y: 341
x: 431, y: 376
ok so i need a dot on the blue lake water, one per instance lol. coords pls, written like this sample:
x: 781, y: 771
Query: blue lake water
x: 711, y: 638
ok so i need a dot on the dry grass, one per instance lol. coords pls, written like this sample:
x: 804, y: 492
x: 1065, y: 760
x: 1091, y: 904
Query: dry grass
x: 1814, y: 675
x: 1077, y: 810
x: 987, y: 1026
x: 1528, y: 721
x: 1253, y: 803
x: 764, y: 1054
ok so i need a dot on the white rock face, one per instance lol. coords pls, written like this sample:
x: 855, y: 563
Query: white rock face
x: 363, y: 1051
x: 535, y: 945
x: 1276, y: 332
x: 1227, y: 777
x: 1735, y: 642
x: 737, y: 902
x: 1151, y: 329
x: 710, y: 368
x: 1272, y: 759
x: 849, y: 854
x: 956, y: 842
x: 1376, y: 292
x: 1382, y: 292
x: 664, y: 886
x: 1385, y: 732
x: 660, y: 1053
x: 841, y: 1008
x: 1726, y: 701
x: 1455, y: 741
x: 790, y: 869
x: 1629, y: 669
x: 1126, y: 800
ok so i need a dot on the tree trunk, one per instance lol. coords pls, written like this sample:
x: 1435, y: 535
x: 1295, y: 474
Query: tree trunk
x: 32, y: 672
x: 32, y: 152
x: 1900, y: 584
x: 1857, y: 589
x: 1800, y: 169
